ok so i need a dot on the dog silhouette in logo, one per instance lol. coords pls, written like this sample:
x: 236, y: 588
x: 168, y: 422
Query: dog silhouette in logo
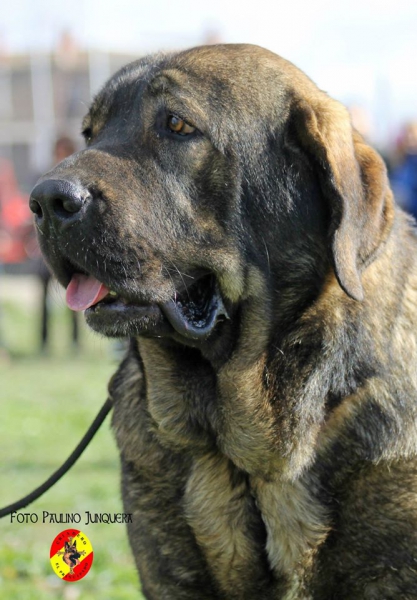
x: 70, y: 555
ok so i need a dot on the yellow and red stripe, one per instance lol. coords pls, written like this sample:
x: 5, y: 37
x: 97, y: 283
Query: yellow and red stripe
x: 57, y: 560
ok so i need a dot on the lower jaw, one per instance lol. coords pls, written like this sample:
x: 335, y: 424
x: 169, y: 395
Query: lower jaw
x: 118, y: 320
x: 191, y: 320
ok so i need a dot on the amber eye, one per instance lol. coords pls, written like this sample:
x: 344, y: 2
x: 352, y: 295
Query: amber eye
x: 178, y: 125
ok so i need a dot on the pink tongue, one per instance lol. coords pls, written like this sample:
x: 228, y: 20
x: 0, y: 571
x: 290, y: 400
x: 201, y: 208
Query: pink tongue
x: 83, y: 291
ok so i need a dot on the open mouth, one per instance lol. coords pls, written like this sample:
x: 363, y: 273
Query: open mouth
x: 195, y: 312
x: 192, y: 313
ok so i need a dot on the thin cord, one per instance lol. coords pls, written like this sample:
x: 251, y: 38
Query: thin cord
x: 74, y: 456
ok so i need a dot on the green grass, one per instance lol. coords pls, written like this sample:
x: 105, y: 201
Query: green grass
x: 47, y: 403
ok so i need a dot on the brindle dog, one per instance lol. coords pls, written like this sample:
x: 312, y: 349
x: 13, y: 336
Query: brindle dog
x: 228, y: 219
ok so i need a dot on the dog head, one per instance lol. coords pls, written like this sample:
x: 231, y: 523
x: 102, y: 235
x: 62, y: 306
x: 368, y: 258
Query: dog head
x: 212, y: 180
x: 70, y: 547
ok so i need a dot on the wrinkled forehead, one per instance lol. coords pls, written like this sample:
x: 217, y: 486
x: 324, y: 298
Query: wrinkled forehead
x: 122, y: 89
x: 220, y: 77
x: 186, y: 76
x: 235, y: 95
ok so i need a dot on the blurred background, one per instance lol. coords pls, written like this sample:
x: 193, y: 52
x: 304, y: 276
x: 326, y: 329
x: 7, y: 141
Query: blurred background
x: 53, y: 58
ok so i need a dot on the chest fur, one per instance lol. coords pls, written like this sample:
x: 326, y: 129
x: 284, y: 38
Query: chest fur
x: 254, y: 533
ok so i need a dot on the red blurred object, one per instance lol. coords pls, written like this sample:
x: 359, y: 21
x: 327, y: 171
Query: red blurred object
x: 16, y: 228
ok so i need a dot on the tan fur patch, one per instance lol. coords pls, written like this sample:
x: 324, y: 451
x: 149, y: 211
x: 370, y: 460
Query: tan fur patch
x: 247, y: 436
x: 170, y: 403
x: 296, y: 526
x: 218, y: 513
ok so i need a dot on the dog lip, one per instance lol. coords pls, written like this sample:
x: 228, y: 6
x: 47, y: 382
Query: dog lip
x: 194, y: 322
x: 120, y: 319
x: 192, y: 312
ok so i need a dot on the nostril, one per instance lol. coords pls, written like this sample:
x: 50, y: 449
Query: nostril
x: 66, y: 206
x: 36, y: 208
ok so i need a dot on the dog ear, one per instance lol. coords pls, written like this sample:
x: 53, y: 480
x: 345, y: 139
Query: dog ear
x: 354, y: 183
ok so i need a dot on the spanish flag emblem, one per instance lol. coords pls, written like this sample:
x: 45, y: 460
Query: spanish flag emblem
x: 71, y: 555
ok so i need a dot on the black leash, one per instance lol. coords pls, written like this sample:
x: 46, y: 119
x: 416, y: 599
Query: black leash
x: 74, y: 456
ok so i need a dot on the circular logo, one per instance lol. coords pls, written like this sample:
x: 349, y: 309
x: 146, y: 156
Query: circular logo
x: 71, y: 555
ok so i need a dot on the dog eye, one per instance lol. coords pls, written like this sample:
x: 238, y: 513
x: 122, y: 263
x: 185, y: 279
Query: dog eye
x: 178, y: 125
x: 87, y: 134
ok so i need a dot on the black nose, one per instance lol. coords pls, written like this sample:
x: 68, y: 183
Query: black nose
x: 58, y: 201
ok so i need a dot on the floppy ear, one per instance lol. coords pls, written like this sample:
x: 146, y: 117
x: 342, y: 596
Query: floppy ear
x: 354, y: 183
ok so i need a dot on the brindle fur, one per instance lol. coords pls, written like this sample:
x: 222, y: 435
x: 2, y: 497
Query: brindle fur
x: 276, y: 460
